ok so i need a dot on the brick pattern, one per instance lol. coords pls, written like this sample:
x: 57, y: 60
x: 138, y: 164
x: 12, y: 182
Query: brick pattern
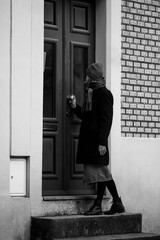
x: 140, y: 61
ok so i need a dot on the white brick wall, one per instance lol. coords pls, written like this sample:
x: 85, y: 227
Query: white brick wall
x: 140, y: 81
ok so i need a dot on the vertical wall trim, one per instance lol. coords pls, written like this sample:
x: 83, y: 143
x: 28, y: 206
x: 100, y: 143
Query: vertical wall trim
x: 37, y: 33
x: 116, y: 61
x: 108, y: 43
x: 5, y: 96
x: 100, y: 49
x: 20, y: 77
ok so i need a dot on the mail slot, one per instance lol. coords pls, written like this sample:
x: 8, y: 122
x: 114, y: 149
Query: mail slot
x: 18, y: 177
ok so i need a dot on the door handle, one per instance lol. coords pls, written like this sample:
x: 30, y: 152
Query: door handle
x: 68, y: 114
x: 69, y: 100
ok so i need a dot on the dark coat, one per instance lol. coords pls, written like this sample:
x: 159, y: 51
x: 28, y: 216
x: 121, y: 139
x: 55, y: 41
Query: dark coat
x: 95, y: 128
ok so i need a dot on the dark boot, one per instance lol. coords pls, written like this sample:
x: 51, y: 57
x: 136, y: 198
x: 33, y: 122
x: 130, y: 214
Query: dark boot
x: 117, y: 207
x: 96, y: 209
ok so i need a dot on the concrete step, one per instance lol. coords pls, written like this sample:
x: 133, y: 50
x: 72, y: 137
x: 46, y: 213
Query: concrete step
x: 45, y: 228
x: 127, y: 236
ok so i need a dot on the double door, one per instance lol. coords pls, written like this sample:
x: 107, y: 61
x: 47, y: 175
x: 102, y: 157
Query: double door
x: 69, y: 47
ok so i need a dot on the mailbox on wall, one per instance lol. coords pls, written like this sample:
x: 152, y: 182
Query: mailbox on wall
x: 18, y: 177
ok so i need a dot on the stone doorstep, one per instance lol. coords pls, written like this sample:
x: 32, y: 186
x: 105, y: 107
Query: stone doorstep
x: 130, y: 236
x: 85, y: 226
x: 70, y: 205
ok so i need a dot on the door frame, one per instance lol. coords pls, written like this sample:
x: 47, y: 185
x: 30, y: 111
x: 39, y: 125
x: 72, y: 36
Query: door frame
x: 106, y: 13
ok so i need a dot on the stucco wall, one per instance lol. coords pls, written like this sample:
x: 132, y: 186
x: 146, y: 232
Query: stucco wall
x: 15, y: 218
x: 21, y: 85
x: 134, y: 161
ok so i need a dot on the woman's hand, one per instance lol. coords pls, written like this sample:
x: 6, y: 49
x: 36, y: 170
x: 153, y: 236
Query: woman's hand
x: 71, y: 100
x: 102, y: 149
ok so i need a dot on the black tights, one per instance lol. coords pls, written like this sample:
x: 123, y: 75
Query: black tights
x: 111, y: 187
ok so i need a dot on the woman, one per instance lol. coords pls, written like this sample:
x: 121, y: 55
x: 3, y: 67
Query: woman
x: 96, y: 115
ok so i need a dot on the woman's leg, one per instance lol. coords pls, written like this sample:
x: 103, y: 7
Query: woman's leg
x: 100, y: 190
x: 117, y: 206
x: 112, y: 188
x: 96, y: 209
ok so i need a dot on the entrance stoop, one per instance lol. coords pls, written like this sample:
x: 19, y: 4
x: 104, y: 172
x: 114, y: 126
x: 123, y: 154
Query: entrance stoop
x: 124, y: 226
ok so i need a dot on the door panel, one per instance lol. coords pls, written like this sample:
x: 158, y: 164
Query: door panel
x: 50, y: 80
x: 79, y: 56
x: 52, y: 103
x: 50, y: 13
x: 69, y: 47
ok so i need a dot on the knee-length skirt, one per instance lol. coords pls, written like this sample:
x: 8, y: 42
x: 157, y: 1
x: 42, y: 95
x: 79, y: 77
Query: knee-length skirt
x: 94, y: 173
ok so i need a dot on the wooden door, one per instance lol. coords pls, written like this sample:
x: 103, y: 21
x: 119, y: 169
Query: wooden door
x: 69, y: 48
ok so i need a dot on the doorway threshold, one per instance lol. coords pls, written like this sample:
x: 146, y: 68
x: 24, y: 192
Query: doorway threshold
x: 75, y: 197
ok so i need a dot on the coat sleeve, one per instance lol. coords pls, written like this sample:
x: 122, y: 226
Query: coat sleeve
x: 105, y: 117
x: 77, y: 111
